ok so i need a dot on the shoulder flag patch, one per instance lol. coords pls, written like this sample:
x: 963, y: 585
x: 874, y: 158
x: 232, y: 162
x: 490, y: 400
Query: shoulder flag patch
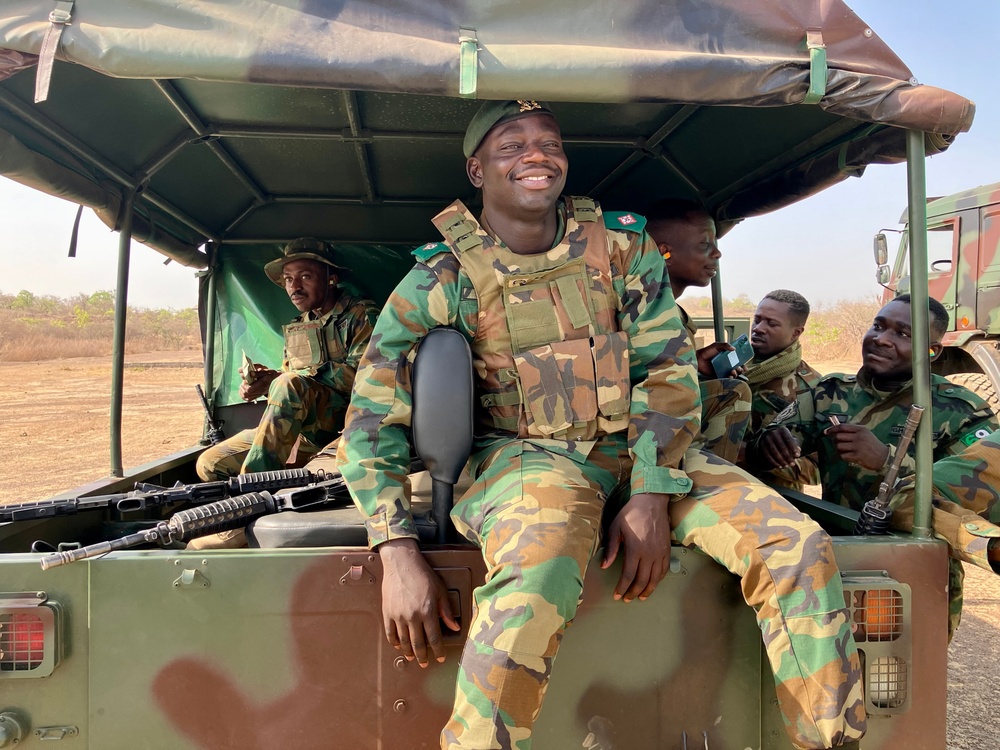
x: 975, y: 436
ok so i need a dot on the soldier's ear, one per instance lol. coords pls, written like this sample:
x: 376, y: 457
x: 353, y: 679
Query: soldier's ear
x: 664, y: 249
x: 797, y: 331
x: 936, y: 350
x: 474, y: 171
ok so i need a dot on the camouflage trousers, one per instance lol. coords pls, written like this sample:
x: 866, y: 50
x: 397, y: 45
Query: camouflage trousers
x: 725, y: 416
x: 536, y: 514
x: 966, y: 512
x: 297, y: 406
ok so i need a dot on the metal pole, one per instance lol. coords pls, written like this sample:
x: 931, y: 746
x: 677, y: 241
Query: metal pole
x: 916, y: 188
x: 118, y: 351
x: 210, y: 313
x: 718, y: 313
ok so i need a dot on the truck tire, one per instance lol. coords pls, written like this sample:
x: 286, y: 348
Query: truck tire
x: 979, y: 384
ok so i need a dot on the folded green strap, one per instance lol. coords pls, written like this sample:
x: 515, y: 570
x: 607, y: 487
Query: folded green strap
x: 573, y: 302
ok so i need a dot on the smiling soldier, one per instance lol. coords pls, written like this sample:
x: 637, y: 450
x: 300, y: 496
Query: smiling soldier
x: 684, y: 233
x: 586, y: 391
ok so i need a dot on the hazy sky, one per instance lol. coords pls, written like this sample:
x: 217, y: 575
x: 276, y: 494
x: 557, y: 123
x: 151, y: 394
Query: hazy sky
x: 820, y: 247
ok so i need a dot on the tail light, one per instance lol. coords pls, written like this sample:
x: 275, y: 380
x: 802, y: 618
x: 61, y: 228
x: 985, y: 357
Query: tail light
x: 880, y: 620
x: 30, y: 630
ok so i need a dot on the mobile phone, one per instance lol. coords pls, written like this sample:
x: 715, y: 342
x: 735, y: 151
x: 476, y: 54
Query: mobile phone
x: 724, y: 363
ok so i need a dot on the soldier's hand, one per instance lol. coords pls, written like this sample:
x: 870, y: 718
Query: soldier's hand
x: 778, y: 448
x: 413, y: 599
x: 856, y: 444
x: 642, y: 527
x: 705, y: 356
x: 259, y: 387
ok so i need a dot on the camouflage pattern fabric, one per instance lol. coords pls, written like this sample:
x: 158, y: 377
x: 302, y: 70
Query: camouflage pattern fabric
x: 536, y: 505
x: 664, y: 408
x: 526, y: 494
x: 770, y: 398
x: 725, y: 408
x: 966, y: 512
x: 554, y: 358
x: 308, y: 402
x: 725, y: 415
x: 960, y: 417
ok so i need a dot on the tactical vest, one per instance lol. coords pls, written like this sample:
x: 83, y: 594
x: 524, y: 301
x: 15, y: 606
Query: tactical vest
x: 311, y: 343
x: 550, y: 358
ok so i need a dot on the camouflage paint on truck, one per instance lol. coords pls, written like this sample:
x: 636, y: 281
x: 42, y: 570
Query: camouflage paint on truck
x: 258, y: 649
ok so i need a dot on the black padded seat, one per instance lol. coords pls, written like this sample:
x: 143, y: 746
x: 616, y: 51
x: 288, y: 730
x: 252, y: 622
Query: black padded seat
x: 340, y: 527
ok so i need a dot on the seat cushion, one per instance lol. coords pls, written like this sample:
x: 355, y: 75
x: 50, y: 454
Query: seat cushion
x: 339, y: 527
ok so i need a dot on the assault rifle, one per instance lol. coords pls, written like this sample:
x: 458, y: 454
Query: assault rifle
x: 150, y: 495
x: 214, y: 433
x: 876, y: 515
x: 223, y: 515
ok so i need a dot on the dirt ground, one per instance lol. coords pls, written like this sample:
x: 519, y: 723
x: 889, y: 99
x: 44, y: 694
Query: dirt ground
x: 54, y: 436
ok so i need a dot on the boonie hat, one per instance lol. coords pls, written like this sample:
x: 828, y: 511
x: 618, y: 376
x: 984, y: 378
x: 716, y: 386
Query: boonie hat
x: 303, y: 248
x: 492, y: 114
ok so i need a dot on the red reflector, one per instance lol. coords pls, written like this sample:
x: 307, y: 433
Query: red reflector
x: 22, y: 642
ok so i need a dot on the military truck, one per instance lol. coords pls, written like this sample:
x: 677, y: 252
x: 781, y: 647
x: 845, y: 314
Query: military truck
x: 963, y: 235
x: 214, y: 132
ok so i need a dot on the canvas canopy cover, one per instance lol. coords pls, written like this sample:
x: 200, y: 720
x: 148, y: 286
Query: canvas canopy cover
x: 245, y: 122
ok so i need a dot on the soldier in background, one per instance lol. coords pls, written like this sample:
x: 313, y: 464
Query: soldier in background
x: 586, y: 388
x: 306, y: 400
x: 685, y: 235
x: 851, y: 423
x: 778, y: 375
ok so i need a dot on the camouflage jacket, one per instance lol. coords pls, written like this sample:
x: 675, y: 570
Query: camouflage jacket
x: 960, y: 418
x: 771, y: 397
x: 347, y: 329
x: 665, y: 406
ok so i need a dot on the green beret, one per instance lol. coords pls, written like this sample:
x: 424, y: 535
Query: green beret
x: 303, y: 248
x: 492, y: 114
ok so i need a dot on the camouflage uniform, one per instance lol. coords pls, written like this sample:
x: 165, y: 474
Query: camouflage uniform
x: 725, y: 408
x: 959, y: 415
x: 966, y: 511
x: 536, y: 503
x: 307, y: 400
x: 775, y: 383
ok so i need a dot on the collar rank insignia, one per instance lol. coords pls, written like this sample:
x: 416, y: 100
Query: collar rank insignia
x: 627, y: 219
x: 526, y: 105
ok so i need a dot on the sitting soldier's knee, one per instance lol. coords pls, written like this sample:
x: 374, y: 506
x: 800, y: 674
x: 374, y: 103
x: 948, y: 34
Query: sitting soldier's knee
x: 206, y: 466
x: 287, y: 382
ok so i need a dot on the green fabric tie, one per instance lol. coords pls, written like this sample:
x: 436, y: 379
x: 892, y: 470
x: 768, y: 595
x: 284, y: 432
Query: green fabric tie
x: 778, y: 366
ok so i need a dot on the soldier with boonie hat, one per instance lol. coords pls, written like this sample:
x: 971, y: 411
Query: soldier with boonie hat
x: 307, y: 397
x: 303, y: 248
